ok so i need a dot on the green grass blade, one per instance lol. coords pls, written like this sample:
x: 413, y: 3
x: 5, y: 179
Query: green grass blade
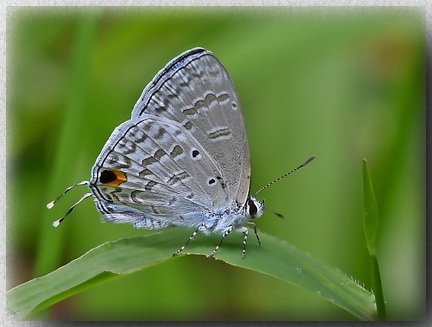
x: 370, y: 211
x: 371, y: 221
x: 112, y: 259
x: 377, y: 287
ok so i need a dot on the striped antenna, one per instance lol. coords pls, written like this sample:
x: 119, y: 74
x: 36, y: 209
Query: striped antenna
x: 52, y: 203
x: 283, y: 176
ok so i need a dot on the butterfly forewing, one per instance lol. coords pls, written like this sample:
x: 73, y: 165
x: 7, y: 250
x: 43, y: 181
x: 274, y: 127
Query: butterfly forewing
x: 196, y: 91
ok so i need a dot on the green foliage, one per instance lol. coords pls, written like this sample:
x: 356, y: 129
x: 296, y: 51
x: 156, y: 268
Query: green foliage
x: 370, y: 211
x: 371, y: 222
x: 112, y: 259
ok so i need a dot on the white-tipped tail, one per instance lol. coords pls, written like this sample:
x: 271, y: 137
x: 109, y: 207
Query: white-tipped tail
x: 57, y: 222
x: 53, y: 202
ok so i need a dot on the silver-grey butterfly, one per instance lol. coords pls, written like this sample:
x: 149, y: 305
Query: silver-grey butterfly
x: 183, y: 157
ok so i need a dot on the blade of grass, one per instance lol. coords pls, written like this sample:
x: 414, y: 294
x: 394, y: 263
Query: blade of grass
x: 370, y: 222
x: 113, y: 259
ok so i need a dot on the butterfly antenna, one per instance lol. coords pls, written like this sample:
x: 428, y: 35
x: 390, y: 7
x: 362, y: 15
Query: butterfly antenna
x: 283, y: 176
x: 58, y: 221
x: 52, y: 203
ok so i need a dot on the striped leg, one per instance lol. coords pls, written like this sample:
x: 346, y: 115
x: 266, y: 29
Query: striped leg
x: 191, y: 238
x: 225, y: 234
x: 257, y: 237
x: 256, y: 231
x: 245, y: 231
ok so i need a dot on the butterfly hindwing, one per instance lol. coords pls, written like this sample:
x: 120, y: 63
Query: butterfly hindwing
x: 154, y: 164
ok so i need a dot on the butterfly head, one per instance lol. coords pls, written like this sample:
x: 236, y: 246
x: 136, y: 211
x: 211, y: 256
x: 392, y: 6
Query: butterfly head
x: 254, y: 208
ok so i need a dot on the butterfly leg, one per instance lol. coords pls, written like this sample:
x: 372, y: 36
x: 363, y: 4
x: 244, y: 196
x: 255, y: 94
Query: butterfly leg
x: 256, y: 231
x: 245, y: 231
x: 225, y: 234
x: 257, y: 237
x: 191, y: 238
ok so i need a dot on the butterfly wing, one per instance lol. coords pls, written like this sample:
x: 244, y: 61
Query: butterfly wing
x: 183, y: 153
x: 196, y: 90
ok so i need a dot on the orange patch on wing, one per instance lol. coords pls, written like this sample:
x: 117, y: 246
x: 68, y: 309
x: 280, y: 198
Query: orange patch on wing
x: 120, y: 178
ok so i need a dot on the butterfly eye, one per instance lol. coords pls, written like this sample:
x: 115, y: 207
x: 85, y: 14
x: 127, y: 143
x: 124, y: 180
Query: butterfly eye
x: 252, y: 208
x: 112, y: 177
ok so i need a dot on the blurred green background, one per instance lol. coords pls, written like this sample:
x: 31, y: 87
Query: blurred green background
x: 341, y: 84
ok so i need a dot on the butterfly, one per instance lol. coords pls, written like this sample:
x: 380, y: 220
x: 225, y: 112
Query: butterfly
x: 182, y: 159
